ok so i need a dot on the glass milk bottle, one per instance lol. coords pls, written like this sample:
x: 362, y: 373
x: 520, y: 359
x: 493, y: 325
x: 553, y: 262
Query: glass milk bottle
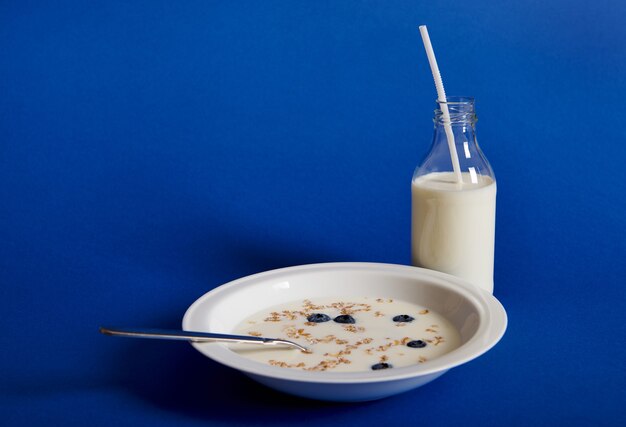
x: 453, y: 223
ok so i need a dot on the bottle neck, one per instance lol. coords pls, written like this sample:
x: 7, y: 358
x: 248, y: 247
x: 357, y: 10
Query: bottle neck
x: 472, y: 163
x: 459, y: 111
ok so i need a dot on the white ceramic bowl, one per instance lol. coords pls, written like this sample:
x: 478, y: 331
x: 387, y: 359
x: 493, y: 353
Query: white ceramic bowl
x: 476, y: 314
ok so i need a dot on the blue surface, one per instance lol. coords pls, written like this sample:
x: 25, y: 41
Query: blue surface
x: 152, y: 150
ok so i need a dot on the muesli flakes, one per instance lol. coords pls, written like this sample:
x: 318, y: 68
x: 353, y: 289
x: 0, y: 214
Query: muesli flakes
x: 273, y: 317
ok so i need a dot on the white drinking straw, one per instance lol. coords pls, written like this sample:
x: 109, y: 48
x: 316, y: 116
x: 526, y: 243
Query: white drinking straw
x: 441, y: 99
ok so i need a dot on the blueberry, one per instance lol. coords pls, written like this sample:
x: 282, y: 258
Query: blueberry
x: 416, y: 344
x: 403, y: 318
x: 318, y: 318
x: 379, y: 366
x: 344, y: 318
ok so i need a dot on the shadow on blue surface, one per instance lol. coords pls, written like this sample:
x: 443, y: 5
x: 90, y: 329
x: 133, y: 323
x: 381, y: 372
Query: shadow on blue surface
x: 174, y: 377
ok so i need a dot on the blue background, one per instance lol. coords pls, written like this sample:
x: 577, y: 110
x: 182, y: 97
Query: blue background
x: 152, y: 150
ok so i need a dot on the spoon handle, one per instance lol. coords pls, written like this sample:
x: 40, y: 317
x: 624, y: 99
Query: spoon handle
x: 168, y: 334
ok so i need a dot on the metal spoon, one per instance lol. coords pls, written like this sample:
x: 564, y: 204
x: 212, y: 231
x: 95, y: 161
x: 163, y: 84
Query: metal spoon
x: 167, y: 334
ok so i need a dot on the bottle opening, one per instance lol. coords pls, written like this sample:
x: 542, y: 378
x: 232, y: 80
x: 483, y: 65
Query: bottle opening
x: 457, y: 100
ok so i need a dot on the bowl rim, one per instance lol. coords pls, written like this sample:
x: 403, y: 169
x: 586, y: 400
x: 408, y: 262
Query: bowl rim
x: 492, y: 325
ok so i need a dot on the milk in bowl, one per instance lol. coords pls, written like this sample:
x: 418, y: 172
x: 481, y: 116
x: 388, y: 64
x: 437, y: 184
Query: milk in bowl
x: 349, y: 334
